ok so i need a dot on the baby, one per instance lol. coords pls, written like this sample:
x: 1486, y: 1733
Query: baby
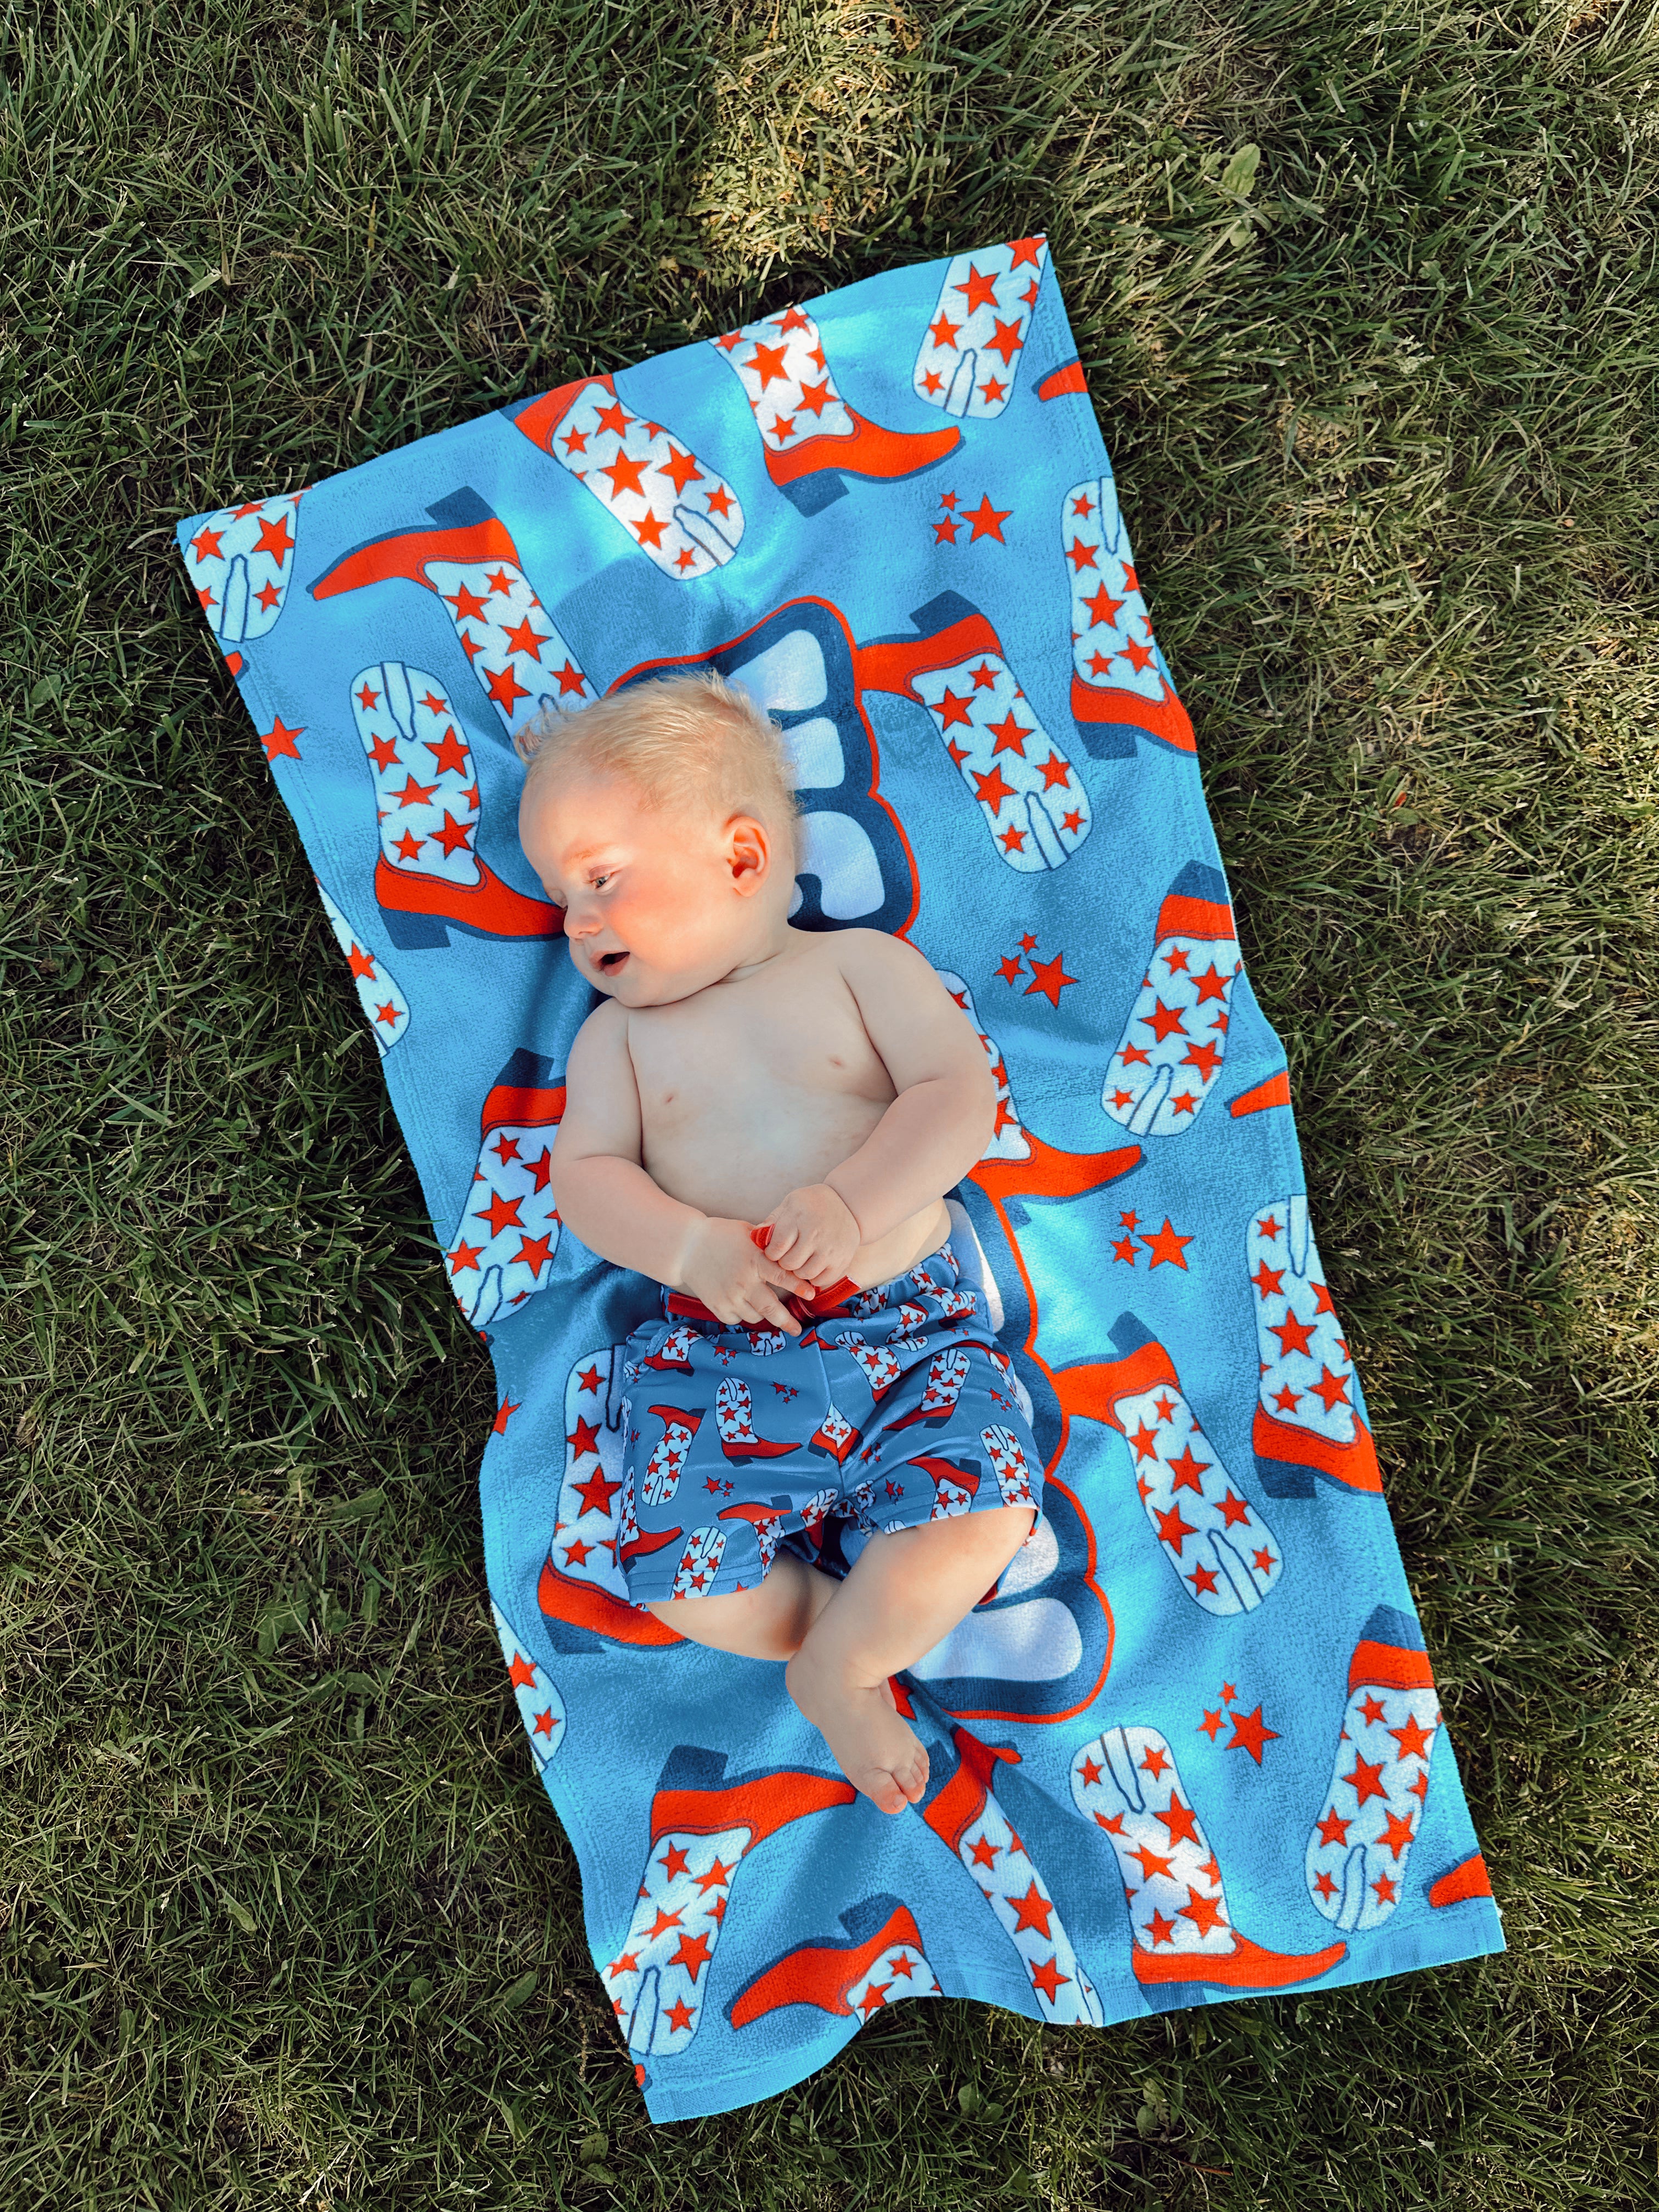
x: 765, y: 1119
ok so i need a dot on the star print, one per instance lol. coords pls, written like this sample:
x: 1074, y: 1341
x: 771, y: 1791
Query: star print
x: 1250, y: 1733
x: 1166, y: 1247
x: 986, y: 519
x: 1051, y: 978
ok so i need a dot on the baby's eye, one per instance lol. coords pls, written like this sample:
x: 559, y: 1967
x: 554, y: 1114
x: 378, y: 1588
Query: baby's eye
x: 599, y: 880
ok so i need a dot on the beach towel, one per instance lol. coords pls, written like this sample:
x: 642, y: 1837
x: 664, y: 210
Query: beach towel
x: 1189, y: 1748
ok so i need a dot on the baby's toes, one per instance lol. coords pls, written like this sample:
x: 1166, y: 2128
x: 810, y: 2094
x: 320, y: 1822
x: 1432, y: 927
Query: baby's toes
x: 912, y: 1776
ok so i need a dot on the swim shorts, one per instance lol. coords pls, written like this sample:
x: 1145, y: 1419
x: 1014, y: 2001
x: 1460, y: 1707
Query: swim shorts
x: 895, y: 1405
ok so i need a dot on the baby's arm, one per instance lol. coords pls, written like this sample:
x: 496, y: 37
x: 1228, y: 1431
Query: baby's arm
x: 942, y: 1119
x: 606, y: 1197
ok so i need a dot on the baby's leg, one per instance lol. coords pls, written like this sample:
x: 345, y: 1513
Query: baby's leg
x: 904, y: 1592
x: 767, y: 1622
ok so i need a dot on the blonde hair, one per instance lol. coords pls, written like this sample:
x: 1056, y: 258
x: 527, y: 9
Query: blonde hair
x: 689, y: 740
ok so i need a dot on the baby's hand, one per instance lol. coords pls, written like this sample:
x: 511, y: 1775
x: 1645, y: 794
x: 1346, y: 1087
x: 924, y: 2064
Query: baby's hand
x: 814, y: 1234
x: 736, y: 1280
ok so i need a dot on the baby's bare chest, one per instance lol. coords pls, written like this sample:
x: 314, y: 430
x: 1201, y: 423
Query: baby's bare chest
x: 798, y: 1036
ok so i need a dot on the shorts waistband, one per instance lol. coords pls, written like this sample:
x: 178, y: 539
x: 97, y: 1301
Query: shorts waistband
x: 825, y: 1303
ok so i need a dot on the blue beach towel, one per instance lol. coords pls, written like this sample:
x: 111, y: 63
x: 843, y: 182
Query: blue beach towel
x: 1190, y: 1749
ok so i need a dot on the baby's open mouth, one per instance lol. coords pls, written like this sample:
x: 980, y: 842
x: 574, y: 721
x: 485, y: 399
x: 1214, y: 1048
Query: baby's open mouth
x: 610, y: 963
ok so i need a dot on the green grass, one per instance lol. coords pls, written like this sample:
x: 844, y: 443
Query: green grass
x: 284, y: 1919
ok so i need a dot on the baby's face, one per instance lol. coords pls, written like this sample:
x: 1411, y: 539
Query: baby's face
x: 652, y: 910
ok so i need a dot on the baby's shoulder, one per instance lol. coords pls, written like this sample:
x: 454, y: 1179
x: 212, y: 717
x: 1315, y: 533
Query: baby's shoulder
x: 875, y: 955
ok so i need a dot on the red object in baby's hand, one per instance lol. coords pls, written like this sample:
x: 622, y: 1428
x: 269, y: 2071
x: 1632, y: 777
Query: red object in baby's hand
x: 762, y: 1236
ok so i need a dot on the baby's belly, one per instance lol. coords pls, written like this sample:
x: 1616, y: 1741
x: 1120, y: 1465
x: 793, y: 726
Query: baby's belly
x: 738, y: 1161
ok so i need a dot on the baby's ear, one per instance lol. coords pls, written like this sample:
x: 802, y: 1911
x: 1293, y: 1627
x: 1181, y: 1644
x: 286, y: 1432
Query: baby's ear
x: 748, y: 847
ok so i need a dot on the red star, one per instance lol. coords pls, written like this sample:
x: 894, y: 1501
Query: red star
x: 1049, y: 1978
x: 817, y: 396
x: 792, y: 320
x: 1103, y: 608
x: 874, y: 1998
x: 468, y: 606
x: 505, y: 1147
x: 523, y: 639
x: 1160, y: 1929
x: 1233, y: 1511
x: 1013, y: 841
x: 267, y: 595
x: 596, y: 1494
x: 1166, y: 1247
x: 1025, y: 252
x: 453, y: 836
x: 1072, y: 821
x: 1397, y: 1834
x: 463, y: 1256
x: 523, y: 1672
x: 415, y: 794
x: 933, y: 382
x: 504, y: 1213
x: 1372, y: 1710
x: 1010, y: 735
x: 1287, y: 1400
x: 1268, y: 1280
x: 1385, y: 1889
x: 1134, y: 1055
x: 718, y: 1876
x: 1205, y: 1058
x: 278, y: 740
x: 1213, y: 984
x: 680, y: 2014
x: 952, y: 710
x: 624, y: 475
x: 205, y: 544
x: 1211, y: 1727
x: 1154, y: 1763
x: 534, y: 1251
x: 1033, y: 1911
x: 648, y: 529
x: 693, y: 1954
x: 1144, y: 1441
x: 1090, y: 1770
x: 944, y: 333
x: 983, y: 1853
x: 1324, y: 1296
x: 1008, y: 967
x: 1124, y: 1249
x: 583, y: 1438
x: 1293, y: 1335
x: 1172, y: 1529
x: 408, y: 846
x: 945, y: 532
x: 1329, y: 1387
x: 448, y: 754
x: 988, y: 520
x: 783, y: 425
x: 574, y: 441
x: 504, y: 688
x: 1250, y: 1733
x: 362, y: 965
x: 613, y: 418
x: 1365, y: 1779
x: 1413, y: 1739
x: 1333, y: 1829
x: 679, y: 468
x: 1265, y: 1561
x: 991, y: 391
x: 1150, y: 1863
x: 1051, y: 978
x: 275, y: 540
x: 767, y: 361
x: 991, y: 790
x: 1204, y: 1912
x: 982, y: 290
x: 1081, y: 554
x: 1187, y: 1469
x: 1163, y: 1021
x: 1005, y: 340
x: 628, y: 1964
x: 588, y: 1378
x: 1181, y: 1821
x: 665, y: 1920
x: 570, y: 678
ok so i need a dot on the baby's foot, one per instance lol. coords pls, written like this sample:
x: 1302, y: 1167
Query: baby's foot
x: 872, y: 1746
